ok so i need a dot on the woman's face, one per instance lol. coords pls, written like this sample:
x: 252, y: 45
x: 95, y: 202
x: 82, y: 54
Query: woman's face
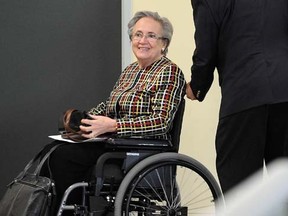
x: 146, y: 41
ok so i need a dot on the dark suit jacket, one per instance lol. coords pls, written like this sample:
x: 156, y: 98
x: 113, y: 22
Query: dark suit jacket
x: 247, y: 41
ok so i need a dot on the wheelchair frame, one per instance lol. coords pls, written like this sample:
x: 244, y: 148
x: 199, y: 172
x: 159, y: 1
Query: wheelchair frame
x: 148, y: 161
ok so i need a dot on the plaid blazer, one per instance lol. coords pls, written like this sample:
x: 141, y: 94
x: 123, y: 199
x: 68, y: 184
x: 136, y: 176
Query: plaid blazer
x: 145, y: 100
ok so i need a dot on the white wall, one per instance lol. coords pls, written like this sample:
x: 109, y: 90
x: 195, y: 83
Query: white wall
x: 200, y: 119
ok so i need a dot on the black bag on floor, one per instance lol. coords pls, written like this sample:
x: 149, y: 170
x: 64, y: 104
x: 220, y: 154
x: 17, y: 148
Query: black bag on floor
x: 29, y: 194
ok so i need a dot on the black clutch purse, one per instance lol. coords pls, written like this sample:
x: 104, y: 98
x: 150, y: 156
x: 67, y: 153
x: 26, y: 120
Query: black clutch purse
x: 69, y: 124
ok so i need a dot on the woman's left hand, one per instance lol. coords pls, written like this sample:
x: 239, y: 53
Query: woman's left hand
x: 97, y: 125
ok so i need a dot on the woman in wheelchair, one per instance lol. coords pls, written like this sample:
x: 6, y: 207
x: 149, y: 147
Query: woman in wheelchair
x: 142, y: 103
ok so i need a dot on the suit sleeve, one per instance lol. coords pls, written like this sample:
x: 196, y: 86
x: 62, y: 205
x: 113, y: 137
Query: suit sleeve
x: 205, y: 54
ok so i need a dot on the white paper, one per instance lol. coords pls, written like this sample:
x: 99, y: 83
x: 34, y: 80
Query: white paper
x: 59, y: 138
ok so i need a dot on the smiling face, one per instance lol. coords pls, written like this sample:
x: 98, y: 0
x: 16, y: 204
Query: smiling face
x: 146, y: 41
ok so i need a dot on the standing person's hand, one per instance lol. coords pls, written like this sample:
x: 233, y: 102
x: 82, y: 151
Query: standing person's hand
x: 97, y: 125
x: 189, y: 92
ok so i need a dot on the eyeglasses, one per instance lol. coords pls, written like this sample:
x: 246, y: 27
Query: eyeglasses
x: 151, y: 37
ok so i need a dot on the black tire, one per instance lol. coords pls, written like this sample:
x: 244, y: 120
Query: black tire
x: 152, y: 187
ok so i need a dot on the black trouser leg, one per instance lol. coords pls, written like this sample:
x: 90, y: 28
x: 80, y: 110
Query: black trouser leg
x: 70, y: 164
x: 277, y: 132
x: 244, y: 140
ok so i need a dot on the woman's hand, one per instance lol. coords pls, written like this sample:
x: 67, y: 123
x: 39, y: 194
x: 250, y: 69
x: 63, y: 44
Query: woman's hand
x: 97, y: 125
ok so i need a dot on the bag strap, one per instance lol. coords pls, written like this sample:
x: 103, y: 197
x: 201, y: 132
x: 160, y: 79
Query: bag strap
x: 40, y: 165
x: 36, y: 157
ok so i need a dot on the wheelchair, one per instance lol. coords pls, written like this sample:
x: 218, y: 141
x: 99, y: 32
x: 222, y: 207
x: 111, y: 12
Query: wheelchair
x: 147, y: 177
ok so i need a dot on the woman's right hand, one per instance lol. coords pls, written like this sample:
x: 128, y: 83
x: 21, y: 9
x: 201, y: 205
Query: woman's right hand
x: 97, y: 125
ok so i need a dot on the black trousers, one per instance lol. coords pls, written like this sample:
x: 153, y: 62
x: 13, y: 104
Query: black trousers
x: 71, y: 163
x: 246, y: 140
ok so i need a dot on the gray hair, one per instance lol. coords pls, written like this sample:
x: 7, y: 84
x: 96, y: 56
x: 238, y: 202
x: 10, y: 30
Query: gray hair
x: 165, y: 23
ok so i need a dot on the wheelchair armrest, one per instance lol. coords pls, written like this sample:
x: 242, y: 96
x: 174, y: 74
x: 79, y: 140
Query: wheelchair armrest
x: 138, y: 143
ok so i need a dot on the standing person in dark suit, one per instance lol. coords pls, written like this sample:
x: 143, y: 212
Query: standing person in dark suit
x: 247, y: 41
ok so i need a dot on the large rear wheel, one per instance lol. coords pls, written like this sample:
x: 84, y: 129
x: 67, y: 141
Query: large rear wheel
x: 168, y: 184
